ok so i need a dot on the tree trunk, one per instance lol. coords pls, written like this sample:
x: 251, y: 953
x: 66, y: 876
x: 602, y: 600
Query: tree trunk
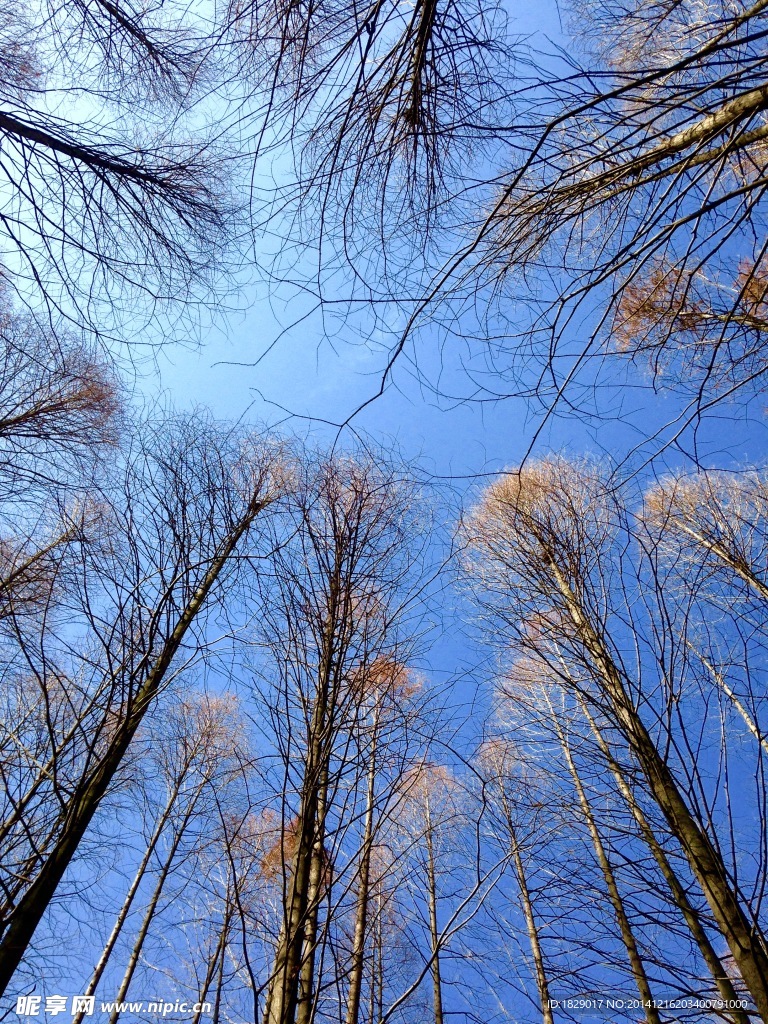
x: 744, y: 939
x: 149, y: 913
x: 627, y: 935
x: 86, y: 800
x: 213, y: 963
x: 283, y: 991
x: 542, y: 984
x: 711, y: 959
x: 128, y: 901
x: 720, y: 681
x: 317, y: 871
x: 363, y: 896
x: 291, y: 981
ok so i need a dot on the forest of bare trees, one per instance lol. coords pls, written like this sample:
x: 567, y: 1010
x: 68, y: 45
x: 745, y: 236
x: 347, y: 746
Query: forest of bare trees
x: 298, y: 723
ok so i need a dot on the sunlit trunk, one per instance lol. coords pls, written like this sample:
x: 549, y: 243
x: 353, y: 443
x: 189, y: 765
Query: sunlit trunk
x: 625, y: 928
x: 692, y: 919
x: 363, y: 895
x: 743, y: 937
x: 437, y: 985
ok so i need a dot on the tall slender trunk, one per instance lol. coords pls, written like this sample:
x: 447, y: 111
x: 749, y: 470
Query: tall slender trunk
x: 745, y: 941
x: 542, y: 984
x: 291, y: 981
x: 690, y: 914
x: 216, y: 1016
x: 376, y: 996
x: 317, y: 871
x: 728, y: 690
x: 729, y: 558
x: 149, y: 913
x: 380, y: 970
x: 283, y: 991
x: 87, y: 798
x: 129, y: 898
x: 625, y: 928
x: 213, y: 963
x: 363, y: 894
x: 437, y: 985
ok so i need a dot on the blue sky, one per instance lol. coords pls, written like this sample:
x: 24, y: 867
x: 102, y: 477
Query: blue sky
x: 312, y: 379
x: 247, y: 367
x: 304, y: 384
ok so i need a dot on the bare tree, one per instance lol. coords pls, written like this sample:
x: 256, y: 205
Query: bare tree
x: 381, y: 106
x: 511, y: 789
x: 185, y: 503
x: 208, y: 746
x: 564, y: 215
x: 61, y: 417
x: 60, y: 405
x: 692, y: 916
x: 193, y: 750
x: 549, y: 542
x: 387, y: 688
x: 120, y: 196
x: 431, y: 810
x: 583, y: 919
x: 336, y: 608
x: 640, y: 189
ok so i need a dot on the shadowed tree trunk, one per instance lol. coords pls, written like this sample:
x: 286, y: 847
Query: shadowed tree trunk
x: 363, y: 892
x: 546, y: 549
x: 174, y: 611
x: 614, y: 895
x: 434, y: 932
x: 692, y: 919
